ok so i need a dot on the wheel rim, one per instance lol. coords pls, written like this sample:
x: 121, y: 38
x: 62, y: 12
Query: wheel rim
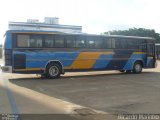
x: 53, y: 71
x: 138, y: 67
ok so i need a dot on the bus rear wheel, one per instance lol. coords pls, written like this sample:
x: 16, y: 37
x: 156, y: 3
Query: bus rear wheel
x: 121, y: 70
x: 128, y: 71
x: 53, y: 70
x: 137, y: 68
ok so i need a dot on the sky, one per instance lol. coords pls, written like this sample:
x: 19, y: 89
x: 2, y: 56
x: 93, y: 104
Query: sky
x: 95, y: 16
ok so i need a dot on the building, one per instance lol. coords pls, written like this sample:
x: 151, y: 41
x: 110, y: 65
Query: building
x: 49, y: 24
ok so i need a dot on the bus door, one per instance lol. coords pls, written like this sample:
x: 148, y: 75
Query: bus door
x: 143, y: 48
x: 157, y: 47
x: 151, y: 55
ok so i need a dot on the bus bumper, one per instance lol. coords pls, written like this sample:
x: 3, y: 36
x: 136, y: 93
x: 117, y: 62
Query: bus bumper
x: 7, y: 69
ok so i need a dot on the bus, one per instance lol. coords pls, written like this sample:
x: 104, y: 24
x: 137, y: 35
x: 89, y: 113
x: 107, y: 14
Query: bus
x: 53, y: 53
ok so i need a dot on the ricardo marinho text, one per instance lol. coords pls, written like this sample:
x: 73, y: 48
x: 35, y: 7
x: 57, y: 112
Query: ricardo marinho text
x: 138, y: 116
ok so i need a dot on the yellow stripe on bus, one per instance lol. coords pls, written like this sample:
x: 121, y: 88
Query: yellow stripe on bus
x: 150, y: 57
x: 28, y: 69
x: 86, y: 60
x: 139, y: 52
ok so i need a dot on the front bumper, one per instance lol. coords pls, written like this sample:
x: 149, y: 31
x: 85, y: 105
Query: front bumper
x: 7, y: 69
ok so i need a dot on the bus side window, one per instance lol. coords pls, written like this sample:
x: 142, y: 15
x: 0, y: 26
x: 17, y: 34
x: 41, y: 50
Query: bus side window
x: 132, y: 43
x: 107, y: 43
x: 49, y: 41
x: 142, y: 48
x: 113, y: 40
x: 117, y: 43
x: 59, y: 41
x: 70, y: 41
x: 142, y: 45
x: 80, y: 42
x: 35, y: 41
x: 90, y: 42
x: 99, y: 43
x: 120, y: 43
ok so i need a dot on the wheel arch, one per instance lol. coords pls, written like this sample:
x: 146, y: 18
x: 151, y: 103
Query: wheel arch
x: 54, y: 61
x: 140, y: 61
x: 139, y: 70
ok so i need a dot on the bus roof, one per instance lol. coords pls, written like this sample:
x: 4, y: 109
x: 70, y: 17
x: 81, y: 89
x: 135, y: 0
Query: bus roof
x: 85, y: 34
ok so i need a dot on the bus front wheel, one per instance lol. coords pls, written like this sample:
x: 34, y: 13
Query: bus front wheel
x: 53, y: 70
x: 137, y: 68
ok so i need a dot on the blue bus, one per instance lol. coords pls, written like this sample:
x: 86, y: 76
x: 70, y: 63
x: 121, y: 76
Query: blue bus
x: 53, y: 53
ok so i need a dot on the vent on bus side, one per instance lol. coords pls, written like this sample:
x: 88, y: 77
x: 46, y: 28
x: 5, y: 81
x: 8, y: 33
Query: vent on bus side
x: 8, y: 57
x: 19, y: 61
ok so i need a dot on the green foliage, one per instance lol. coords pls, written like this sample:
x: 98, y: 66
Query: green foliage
x: 142, y: 32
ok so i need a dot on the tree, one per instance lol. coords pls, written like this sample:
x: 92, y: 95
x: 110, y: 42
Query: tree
x: 142, y: 32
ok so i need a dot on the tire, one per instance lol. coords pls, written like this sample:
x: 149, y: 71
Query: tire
x: 43, y: 75
x: 53, y: 70
x: 137, y: 68
x: 121, y: 70
x: 128, y: 71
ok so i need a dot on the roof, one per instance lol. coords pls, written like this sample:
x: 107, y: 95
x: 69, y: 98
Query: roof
x: 57, y: 32
x: 35, y: 31
x: 44, y: 25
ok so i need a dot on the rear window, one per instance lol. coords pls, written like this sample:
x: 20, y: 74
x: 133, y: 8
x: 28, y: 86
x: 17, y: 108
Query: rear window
x: 23, y: 41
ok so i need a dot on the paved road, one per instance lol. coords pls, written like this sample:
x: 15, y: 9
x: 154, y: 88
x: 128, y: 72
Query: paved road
x: 31, y: 104
x: 111, y: 92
